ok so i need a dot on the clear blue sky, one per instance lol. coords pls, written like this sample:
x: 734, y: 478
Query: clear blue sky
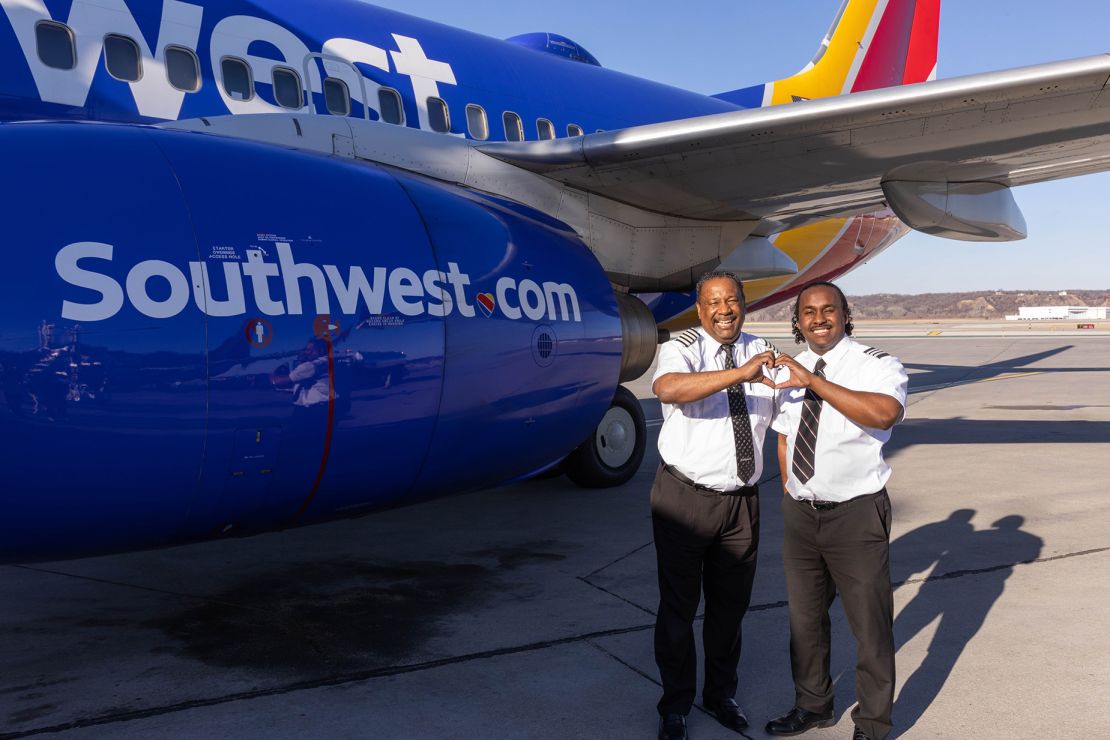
x: 710, y: 46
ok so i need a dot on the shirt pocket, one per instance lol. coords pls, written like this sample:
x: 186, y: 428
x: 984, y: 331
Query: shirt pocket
x: 760, y: 408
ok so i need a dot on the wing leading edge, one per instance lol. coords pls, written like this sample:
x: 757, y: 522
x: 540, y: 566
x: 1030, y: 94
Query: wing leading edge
x: 793, y: 163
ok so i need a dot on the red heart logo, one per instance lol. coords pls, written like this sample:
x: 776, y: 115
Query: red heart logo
x: 485, y: 302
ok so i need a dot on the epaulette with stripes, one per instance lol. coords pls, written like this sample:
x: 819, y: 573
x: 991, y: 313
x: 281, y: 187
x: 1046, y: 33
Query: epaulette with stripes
x: 876, y: 353
x: 770, y: 346
x: 687, y: 338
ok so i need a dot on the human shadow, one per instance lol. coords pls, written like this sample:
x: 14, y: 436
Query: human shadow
x: 957, y: 549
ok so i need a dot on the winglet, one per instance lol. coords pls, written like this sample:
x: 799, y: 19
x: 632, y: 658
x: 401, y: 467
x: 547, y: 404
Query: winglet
x: 871, y: 44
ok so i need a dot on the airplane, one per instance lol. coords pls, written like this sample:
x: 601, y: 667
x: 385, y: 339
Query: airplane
x: 270, y: 264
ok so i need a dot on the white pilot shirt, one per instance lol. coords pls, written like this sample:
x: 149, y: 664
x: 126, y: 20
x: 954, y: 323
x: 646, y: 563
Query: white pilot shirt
x: 311, y: 380
x: 848, y: 459
x: 697, y: 437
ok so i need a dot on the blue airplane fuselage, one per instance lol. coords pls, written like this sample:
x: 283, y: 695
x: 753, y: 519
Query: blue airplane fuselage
x: 204, y: 336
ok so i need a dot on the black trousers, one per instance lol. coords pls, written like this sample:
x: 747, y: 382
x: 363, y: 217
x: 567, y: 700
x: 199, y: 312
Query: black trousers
x: 703, y: 541
x: 847, y: 550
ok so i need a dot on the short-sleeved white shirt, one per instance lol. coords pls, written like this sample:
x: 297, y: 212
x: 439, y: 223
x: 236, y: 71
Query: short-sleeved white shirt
x: 848, y: 457
x: 697, y: 437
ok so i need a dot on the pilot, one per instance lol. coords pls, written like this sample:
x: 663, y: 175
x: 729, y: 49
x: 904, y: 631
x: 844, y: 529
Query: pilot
x: 717, y: 401
x: 835, y: 413
x: 309, y: 377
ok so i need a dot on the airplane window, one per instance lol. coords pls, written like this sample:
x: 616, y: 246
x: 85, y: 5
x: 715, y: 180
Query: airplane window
x: 438, y: 117
x: 476, y: 122
x: 389, y: 102
x: 121, y: 57
x: 55, y: 44
x: 573, y: 129
x: 182, y: 68
x: 237, y: 78
x: 287, y: 88
x: 514, y: 130
x: 337, y: 96
x: 545, y: 129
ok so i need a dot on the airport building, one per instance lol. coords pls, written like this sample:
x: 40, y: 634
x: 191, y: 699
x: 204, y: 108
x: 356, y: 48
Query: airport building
x: 1071, y: 313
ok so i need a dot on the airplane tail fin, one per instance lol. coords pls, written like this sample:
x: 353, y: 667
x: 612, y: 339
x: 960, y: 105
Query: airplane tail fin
x: 871, y: 44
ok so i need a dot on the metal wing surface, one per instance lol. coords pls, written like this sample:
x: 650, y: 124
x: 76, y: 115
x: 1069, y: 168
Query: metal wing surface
x: 796, y: 162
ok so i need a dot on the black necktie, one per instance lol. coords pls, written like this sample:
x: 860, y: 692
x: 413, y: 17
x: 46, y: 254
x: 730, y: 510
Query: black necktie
x: 805, y: 445
x: 741, y: 425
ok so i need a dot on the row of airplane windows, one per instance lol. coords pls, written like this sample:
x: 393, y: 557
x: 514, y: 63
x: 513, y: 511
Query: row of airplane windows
x: 57, y: 48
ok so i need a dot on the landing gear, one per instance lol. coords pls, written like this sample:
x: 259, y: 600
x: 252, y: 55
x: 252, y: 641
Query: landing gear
x: 613, y: 453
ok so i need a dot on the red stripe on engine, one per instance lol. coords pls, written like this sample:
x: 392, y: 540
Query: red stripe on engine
x: 327, y: 435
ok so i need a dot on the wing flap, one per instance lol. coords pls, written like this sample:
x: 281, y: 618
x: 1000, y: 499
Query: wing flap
x: 795, y: 162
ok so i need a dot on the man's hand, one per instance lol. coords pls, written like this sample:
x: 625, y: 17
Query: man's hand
x: 874, y: 410
x: 752, y: 370
x: 688, y: 387
x: 799, y: 376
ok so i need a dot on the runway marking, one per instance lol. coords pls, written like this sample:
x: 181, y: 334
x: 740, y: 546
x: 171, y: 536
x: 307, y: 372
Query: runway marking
x: 617, y: 596
x: 624, y: 663
x: 622, y: 557
x: 651, y: 679
x: 359, y: 676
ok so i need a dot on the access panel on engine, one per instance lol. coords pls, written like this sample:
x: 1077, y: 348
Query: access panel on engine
x: 102, y: 419
x: 323, y: 333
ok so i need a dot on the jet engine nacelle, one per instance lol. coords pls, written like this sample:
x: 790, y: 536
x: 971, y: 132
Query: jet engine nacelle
x: 203, y: 336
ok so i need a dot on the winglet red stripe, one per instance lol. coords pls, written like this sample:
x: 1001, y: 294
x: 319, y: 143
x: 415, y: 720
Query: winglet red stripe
x: 886, y: 61
x: 922, y: 58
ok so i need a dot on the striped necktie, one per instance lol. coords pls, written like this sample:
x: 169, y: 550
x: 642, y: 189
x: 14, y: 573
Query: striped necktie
x: 741, y: 424
x: 805, y: 446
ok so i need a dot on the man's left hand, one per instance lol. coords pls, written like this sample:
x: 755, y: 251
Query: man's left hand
x: 753, y: 370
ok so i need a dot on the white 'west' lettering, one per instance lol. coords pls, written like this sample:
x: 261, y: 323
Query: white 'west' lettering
x: 356, y: 52
x: 423, y: 72
x: 233, y: 36
x: 155, y: 97
x: 91, y: 21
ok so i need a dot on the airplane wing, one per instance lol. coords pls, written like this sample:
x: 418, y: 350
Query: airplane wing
x: 796, y: 162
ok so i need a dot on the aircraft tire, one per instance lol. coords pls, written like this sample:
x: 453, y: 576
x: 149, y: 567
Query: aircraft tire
x: 612, y: 454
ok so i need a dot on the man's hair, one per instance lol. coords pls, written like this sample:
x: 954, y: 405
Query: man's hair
x: 798, y: 337
x: 713, y: 275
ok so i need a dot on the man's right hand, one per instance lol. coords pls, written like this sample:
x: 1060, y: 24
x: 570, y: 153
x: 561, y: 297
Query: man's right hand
x: 693, y: 386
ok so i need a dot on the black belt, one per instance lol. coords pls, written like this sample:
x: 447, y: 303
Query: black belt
x: 677, y: 475
x: 828, y: 505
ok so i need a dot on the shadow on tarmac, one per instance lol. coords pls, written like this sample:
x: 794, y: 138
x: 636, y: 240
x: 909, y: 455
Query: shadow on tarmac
x: 960, y: 431
x: 947, y: 547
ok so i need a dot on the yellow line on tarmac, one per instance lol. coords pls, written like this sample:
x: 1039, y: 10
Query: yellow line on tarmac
x: 1011, y: 376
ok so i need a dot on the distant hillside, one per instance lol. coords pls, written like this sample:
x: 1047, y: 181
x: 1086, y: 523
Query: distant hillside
x: 980, y: 305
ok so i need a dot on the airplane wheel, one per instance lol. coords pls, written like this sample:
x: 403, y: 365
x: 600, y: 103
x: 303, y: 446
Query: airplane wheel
x: 613, y: 453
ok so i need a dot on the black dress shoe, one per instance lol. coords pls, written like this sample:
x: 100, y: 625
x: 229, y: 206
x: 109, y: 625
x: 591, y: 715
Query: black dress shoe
x: 729, y: 714
x: 798, y: 721
x: 672, y: 727
x: 860, y: 735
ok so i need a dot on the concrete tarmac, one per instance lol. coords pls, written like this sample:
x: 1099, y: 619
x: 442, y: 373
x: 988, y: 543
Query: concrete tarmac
x: 527, y: 611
